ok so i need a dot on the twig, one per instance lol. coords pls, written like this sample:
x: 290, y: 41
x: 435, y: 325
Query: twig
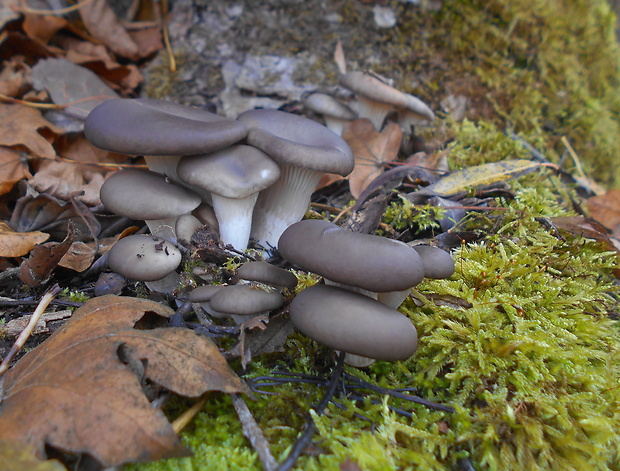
x: 253, y: 432
x: 34, y: 319
x: 186, y: 417
x: 306, y: 436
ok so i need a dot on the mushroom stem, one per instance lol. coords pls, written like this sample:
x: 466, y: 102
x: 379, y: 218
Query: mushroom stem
x: 282, y: 204
x: 234, y: 216
x: 374, y: 111
x: 164, y: 164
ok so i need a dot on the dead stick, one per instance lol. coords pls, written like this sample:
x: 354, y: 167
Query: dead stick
x: 253, y: 432
x: 34, y: 319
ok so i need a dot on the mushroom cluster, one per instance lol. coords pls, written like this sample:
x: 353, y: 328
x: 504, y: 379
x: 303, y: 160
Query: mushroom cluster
x: 265, y: 158
x: 374, y: 100
x: 367, y: 278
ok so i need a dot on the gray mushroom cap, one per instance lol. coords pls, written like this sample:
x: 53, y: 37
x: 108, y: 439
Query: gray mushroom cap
x: 234, y: 172
x: 143, y: 258
x: 353, y: 323
x: 264, y: 272
x: 297, y: 141
x: 370, y: 262
x: 437, y: 263
x: 327, y: 105
x: 157, y: 127
x: 203, y: 294
x: 245, y: 301
x: 140, y: 194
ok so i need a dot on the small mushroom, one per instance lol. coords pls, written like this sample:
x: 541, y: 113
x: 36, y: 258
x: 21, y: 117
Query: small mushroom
x: 264, y: 272
x: 141, y: 194
x: 185, y: 227
x: 143, y: 258
x: 353, y: 323
x: 365, y: 261
x: 437, y: 263
x: 242, y: 300
x: 304, y: 149
x: 202, y: 295
x: 333, y: 111
x: 376, y: 99
x: 233, y: 176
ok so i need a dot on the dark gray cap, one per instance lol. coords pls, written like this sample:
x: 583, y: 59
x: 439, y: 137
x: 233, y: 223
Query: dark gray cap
x: 297, y: 141
x: 327, y: 105
x: 437, y: 263
x: 140, y: 194
x: 157, y: 127
x: 245, y: 301
x: 143, y: 257
x: 353, y: 323
x: 365, y: 261
x: 264, y: 272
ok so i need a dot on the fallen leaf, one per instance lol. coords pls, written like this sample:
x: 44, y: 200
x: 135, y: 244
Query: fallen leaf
x: 271, y: 339
x: 606, y: 210
x: 79, y: 257
x: 103, y: 24
x: 16, y: 457
x: 72, y: 85
x: 43, y: 260
x: 74, y: 393
x: 12, y: 169
x: 480, y: 175
x: 25, y: 127
x: 371, y: 150
x: 14, y: 77
x: 42, y: 27
x: 18, y: 244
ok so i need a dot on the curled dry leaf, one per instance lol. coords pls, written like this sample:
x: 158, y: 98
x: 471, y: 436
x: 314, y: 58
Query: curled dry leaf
x: 606, y: 210
x: 25, y: 127
x: 12, y: 169
x: 43, y: 260
x: 18, y: 244
x: 73, y: 392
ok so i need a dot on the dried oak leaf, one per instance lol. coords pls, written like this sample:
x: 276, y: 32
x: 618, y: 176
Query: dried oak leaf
x: 371, y: 150
x: 17, y: 244
x: 74, y: 393
x: 606, y: 210
x: 12, y: 169
x: 43, y: 260
x: 25, y: 127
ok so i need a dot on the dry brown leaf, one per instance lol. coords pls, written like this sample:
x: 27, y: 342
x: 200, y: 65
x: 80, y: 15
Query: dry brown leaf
x: 17, y: 244
x: 12, y: 169
x: 16, y: 326
x: 14, y: 77
x: 103, y: 24
x: 64, y: 179
x: 42, y: 27
x: 73, y: 392
x: 606, y: 210
x: 371, y: 149
x: 43, y: 260
x: 79, y: 257
x: 25, y: 127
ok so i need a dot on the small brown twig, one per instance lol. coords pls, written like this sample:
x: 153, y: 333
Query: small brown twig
x: 253, y: 432
x: 34, y: 319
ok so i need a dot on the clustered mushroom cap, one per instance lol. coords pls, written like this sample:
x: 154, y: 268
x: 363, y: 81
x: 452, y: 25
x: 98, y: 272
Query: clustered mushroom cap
x: 234, y: 172
x: 329, y: 106
x: 141, y: 194
x: 437, y: 263
x: 353, y: 323
x: 157, y: 127
x: 245, y: 301
x: 143, y: 258
x: 297, y: 141
x: 203, y: 294
x: 267, y: 273
x: 365, y: 261
x: 371, y: 88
